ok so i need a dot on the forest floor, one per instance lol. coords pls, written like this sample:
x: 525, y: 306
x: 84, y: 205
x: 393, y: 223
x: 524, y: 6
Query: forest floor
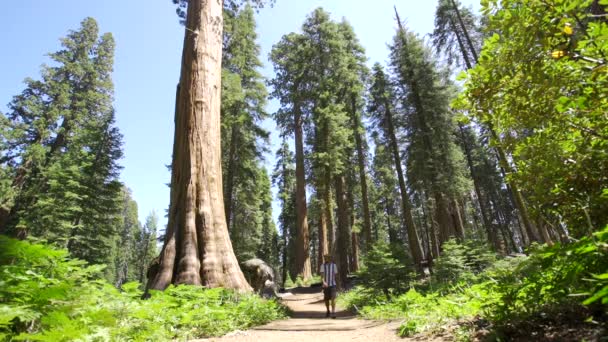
x: 308, y: 324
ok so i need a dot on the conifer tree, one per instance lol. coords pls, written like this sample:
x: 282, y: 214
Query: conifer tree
x: 62, y: 150
x: 381, y: 108
x: 243, y: 101
x: 283, y: 178
x: 289, y: 87
x: 147, y: 248
x: 435, y: 162
x: 126, y: 256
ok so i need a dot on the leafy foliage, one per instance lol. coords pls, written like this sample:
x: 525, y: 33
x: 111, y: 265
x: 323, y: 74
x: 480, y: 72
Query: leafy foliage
x: 540, y: 83
x: 47, y: 296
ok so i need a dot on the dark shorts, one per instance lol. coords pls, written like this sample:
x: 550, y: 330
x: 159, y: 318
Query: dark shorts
x: 329, y: 293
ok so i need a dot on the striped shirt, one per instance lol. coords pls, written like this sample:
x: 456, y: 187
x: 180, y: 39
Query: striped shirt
x: 328, y: 271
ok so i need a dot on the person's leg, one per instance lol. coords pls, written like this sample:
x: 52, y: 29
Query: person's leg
x: 333, y: 302
x: 326, y: 298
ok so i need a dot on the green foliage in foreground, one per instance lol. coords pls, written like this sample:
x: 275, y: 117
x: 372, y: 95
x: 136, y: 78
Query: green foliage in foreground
x: 509, y: 290
x: 46, y: 296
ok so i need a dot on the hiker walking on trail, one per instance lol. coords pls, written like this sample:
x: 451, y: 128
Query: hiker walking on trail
x: 328, y: 271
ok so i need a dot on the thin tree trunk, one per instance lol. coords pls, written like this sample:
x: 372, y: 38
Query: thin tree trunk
x: 354, y: 263
x: 476, y: 183
x: 457, y: 219
x: 228, y: 194
x: 302, y: 261
x: 354, y: 245
x: 464, y: 30
x: 392, y: 235
x: 412, y: 234
x: 519, y: 199
x: 323, y: 245
x: 367, y: 222
x: 329, y: 213
x: 197, y: 247
x: 343, y: 231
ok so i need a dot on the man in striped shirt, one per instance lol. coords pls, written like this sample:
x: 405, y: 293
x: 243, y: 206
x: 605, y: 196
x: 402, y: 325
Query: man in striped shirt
x: 328, y: 271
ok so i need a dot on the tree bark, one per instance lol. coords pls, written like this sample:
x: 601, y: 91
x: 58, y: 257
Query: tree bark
x: 197, y: 248
x: 302, y: 261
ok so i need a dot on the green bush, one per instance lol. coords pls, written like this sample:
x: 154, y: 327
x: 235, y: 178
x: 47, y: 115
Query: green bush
x: 462, y: 261
x: 46, y: 296
x: 387, y: 271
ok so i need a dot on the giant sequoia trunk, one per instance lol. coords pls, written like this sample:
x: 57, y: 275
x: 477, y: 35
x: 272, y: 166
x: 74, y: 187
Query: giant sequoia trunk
x: 302, y: 261
x: 197, y: 248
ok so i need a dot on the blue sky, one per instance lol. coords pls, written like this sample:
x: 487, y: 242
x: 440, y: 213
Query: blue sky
x: 148, y: 55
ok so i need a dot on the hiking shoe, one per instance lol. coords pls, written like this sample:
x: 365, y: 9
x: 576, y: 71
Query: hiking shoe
x: 327, y: 314
x: 333, y: 316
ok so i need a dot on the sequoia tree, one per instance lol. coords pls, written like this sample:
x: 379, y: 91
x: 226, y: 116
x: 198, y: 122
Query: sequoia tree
x: 197, y: 248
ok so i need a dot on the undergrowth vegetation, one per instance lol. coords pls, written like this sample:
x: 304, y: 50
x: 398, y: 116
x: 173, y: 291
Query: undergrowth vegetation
x: 470, y: 283
x: 47, y: 296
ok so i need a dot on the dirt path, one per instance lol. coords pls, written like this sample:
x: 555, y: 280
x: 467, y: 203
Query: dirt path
x: 308, y: 324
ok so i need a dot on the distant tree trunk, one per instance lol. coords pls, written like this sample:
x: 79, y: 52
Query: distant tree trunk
x: 412, y: 234
x: 392, y: 233
x: 228, y: 194
x: 328, y: 208
x: 354, y: 261
x: 322, y: 236
x: 343, y: 231
x: 367, y: 221
x: 197, y: 248
x: 354, y: 245
x: 457, y: 219
x: 483, y: 208
x: 464, y: 30
x: 444, y: 220
x: 302, y: 262
x: 542, y: 227
x: 518, y: 198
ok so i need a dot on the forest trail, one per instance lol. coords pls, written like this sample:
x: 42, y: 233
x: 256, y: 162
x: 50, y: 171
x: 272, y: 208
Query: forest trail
x: 308, y: 324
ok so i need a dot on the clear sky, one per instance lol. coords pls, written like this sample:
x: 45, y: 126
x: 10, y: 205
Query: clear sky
x: 148, y: 55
